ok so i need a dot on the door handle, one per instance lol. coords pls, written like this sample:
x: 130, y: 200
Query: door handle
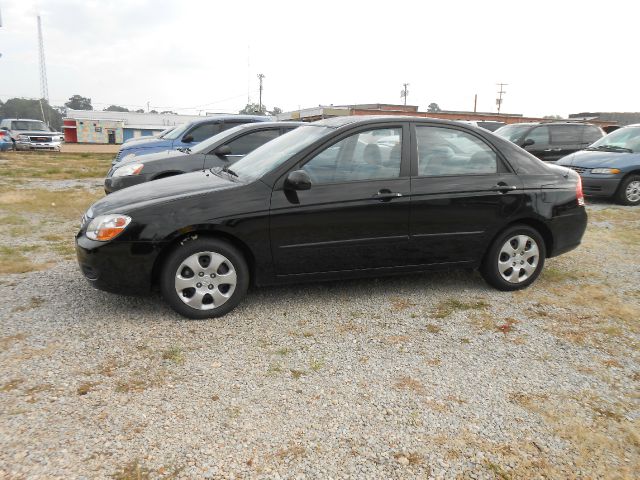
x: 386, y: 195
x: 503, y: 188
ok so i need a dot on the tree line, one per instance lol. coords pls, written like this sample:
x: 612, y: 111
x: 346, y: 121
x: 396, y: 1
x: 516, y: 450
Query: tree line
x: 52, y: 115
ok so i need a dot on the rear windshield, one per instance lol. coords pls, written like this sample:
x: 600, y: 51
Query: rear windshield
x: 30, y: 125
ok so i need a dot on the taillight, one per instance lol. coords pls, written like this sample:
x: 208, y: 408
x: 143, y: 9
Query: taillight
x: 579, y: 193
x: 2, y: 133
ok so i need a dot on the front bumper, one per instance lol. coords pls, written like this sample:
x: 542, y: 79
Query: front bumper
x: 112, y: 184
x: 38, y: 145
x: 600, y: 185
x: 117, y: 267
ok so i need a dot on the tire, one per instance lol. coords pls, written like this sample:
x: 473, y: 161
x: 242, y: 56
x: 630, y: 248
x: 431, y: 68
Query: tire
x: 214, y: 275
x: 629, y: 191
x: 515, y: 258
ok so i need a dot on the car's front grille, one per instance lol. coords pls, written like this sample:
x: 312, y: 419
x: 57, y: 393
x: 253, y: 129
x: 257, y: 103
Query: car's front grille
x: 40, y: 139
x: 580, y: 170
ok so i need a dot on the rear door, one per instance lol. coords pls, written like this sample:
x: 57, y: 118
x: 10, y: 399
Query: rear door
x: 565, y: 139
x: 356, y: 214
x: 462, y: 193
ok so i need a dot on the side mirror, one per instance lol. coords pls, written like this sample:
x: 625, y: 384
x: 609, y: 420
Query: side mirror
x: 297, y: 180
x: 223, y: 151
x: 187, y: 138
x: 528, y: 142
x: 4, y: 128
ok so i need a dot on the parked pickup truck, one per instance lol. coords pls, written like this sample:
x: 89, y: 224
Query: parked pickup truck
x: 29, y: 134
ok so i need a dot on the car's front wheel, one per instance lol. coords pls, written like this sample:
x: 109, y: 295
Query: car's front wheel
x: 514, y: 259
x: 204, y: 278
x: 629, y: 191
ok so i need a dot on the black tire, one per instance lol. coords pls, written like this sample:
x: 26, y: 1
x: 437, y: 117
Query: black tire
x: 234, y: 261
x: 631, y: 197
x: 495, y: 257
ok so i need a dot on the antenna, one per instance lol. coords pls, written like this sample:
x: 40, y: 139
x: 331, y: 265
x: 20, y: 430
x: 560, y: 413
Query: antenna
x: 44, y: 89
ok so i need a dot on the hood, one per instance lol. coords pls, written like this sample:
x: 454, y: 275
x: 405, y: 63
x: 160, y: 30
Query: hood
x: 140, y: 140
x: 163, y: 155
x: 593, y: 159
x: 36, y: 133
x: 155, y: 143
x: 161, y: 191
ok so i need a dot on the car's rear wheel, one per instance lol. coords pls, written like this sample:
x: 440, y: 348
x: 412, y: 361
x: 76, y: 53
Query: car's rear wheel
x: 514, y: 259
x: 204, y: 278
x: 629, y: 191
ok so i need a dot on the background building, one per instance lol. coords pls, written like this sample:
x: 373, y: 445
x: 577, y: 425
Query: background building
x: 320, y: 112
x: 94, y: 126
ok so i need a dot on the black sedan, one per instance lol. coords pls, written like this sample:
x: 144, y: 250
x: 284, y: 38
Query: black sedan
x: 222, y: 149
x: 344, y: 197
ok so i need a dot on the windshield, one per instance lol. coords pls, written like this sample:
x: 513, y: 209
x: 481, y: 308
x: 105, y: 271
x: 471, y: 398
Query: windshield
x: 204, y: 146
x: 274, y: 153
x: 512, y: 132
x: 177, y: 131
x: 32, y: 125
x: 626, y: 138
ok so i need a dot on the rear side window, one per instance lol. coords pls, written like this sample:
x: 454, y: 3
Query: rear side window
x: 591, y: 134
x: 445, y: 151
x: 249, y: 142
x: 566, y: 134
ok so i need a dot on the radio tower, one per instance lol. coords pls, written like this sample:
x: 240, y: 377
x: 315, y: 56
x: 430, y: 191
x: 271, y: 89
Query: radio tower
x: 44, y: 89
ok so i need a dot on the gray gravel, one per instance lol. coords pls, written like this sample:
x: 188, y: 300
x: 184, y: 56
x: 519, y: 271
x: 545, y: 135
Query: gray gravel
x: 361, y: 379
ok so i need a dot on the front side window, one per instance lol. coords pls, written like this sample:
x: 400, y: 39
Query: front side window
x: 539, y: 135
x: 249, y: 142
x: 445, y: 151
x: 374, y: 154
x: 202, y: 132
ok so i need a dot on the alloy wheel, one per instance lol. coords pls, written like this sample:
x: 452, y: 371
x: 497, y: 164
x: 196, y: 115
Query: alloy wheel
x: 205, y: 280
x: 518, y: 258
x: 632, y: 192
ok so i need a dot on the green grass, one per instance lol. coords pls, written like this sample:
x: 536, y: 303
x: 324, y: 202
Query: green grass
x: 54, y: 166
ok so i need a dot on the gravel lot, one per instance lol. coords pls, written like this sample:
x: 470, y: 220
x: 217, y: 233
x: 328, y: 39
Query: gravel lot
x: 428, y: 376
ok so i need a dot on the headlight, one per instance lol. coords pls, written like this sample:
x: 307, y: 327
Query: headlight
x: 107, y: 227
x: 608, y: 171
x: 126, y: 170
x: 24, y: 138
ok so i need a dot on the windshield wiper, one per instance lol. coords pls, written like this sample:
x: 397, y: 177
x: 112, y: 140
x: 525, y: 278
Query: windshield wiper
x: 184, y: 149
x: 611, y: 147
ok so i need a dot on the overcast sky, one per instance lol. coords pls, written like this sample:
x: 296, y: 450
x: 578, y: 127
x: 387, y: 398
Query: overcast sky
x: 558, y: 57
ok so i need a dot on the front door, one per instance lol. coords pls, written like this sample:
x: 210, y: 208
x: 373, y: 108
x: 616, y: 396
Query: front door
x: 462, y: 192
x: 356, y: 214
x: 541, y: 146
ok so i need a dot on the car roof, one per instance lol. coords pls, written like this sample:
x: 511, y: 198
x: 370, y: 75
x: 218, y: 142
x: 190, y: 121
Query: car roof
x: 337, y: 122
x: 222, y: 118
x: 255, y: 125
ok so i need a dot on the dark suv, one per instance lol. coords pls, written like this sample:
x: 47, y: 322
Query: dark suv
x: 551, y: 141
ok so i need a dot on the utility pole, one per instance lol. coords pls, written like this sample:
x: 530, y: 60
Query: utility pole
x: 404, y: 92
x: 500, y: 93
x: 475, y: 103
x: 44, y: 89
x: 148, y: 107
x: 260, y: 77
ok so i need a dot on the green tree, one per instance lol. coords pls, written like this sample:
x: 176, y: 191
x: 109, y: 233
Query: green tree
x: 114, y: 108
x: 169, y: 112
x: 253, y: 109
x: 78, y: 102
x: 275, y: 111
x: 433, y: 108
x: 25, y: 108
x: 140, y: 110
x: 553, y: 117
